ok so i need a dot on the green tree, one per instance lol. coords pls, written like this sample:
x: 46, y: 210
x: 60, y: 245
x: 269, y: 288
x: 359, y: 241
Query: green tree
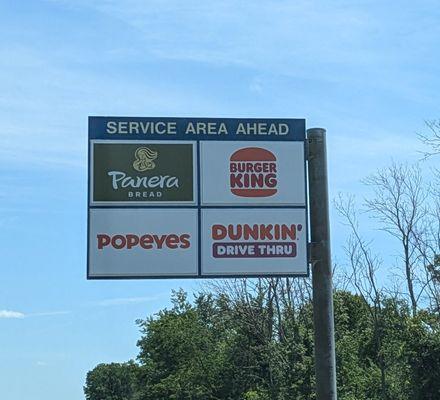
x: 223, y: 346
x: 423, y: 352
x: 112, y: 382
x: 183, y: 352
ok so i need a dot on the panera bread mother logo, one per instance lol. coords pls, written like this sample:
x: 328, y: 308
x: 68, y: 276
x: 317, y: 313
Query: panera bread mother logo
x: 147, y: 172
x: 144, y: 159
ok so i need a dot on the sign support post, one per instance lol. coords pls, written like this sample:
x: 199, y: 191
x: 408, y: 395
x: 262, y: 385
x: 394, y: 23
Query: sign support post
x: 323, y: 318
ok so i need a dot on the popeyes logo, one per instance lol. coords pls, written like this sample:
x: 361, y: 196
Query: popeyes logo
x: 253, y: 172
x: 146, y: 241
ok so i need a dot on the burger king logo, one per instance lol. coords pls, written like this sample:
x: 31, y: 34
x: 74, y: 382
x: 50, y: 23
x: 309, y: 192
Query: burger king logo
x: 253, y: 172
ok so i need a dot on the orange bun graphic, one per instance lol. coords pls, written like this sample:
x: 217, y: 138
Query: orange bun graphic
x: 253, y: 172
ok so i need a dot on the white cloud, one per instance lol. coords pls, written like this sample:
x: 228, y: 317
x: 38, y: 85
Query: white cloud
x: 48, y: 314
x: 335, y: 42
x: 216, y: 33
x: 256, y: 86
x: 41, y: 363
x: 127, y: 300
x: 8, y: 314
x: 11, y: 314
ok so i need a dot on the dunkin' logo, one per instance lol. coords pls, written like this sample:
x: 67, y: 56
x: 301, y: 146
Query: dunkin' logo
x: 255, y: 241
x: 253, y: 172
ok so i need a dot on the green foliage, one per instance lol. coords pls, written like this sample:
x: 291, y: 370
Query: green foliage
x: 232, y: 347
x: 256, y: 395
x: 183, y: 352
x: 423, y: 349
x: 112, y: 382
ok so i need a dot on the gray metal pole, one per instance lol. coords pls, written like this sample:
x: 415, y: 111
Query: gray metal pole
x: 325, y: 362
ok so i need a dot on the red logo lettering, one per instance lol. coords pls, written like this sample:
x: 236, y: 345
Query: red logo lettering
x: 253, y: 172
x: 255, y: 241
x: 148, y: 241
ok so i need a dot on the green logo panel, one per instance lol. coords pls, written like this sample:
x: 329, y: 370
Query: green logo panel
x: 143, y: 172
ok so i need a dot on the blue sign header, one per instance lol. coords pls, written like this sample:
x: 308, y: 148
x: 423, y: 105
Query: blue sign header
x: 252, y: 129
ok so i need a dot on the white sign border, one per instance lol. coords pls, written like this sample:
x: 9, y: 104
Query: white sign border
x: 150, y: 203
x: 93, y: 275
x: 257, y: 274
x: 196, y: 142
x: 262, y: 203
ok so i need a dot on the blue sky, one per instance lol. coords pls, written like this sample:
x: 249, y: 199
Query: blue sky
x: 368, y: 71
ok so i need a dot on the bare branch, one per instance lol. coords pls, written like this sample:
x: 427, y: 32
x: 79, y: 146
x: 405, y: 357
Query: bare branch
x: 432, y: 139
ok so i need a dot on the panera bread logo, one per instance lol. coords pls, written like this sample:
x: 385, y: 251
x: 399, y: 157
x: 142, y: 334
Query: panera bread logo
x: 253, y: 172
x: 144, y: 159
x: 125, y: 172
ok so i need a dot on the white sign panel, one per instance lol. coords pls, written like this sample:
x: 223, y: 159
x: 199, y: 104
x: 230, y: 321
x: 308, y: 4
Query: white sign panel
x: 139, y: 242
x: 196, y: 197
x: 254, y: 242
x: 258, y: 173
